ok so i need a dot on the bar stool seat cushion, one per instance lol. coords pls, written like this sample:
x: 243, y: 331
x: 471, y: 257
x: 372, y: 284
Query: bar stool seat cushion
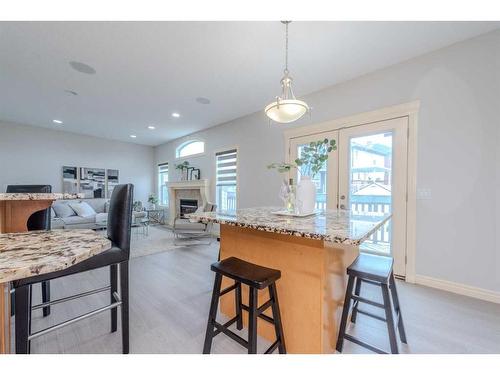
x: 247, y: 273
x: 371, y: 267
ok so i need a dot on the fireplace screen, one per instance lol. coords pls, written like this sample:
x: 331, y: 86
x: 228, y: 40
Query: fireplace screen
x: 188, y: 206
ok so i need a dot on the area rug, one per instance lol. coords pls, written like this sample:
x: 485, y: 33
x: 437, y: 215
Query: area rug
x: 159, y: 239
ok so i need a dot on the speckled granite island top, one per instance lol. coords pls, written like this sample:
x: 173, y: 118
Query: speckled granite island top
x: 37, y: 196
x: 339, y: 226
x: 39, y: 252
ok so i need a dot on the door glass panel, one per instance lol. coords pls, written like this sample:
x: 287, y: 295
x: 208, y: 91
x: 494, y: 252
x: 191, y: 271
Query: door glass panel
x: 370, y: 184
x: 319, y: 180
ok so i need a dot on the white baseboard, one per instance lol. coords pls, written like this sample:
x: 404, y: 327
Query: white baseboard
x: 466, y: 290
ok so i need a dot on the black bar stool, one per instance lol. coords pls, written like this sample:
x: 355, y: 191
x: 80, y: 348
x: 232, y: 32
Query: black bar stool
x: 257, y: 278
x: 376, y: 270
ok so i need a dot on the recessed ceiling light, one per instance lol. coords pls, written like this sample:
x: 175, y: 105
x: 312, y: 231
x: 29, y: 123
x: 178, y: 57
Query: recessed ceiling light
x: 82, y: 68
x: 133, y: 136
x: 176, y: 115
x: 203, y: 100
x: 57, y: 122
x: 151, y: 127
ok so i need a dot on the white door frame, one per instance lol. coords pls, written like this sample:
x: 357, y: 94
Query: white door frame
x: 409, y: 110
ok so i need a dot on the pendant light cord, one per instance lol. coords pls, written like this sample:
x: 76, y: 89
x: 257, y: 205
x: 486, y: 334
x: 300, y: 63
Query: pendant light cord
x: 286, y: 46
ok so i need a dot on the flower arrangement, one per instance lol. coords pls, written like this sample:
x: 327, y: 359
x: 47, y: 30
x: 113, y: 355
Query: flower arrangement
x: 312, y: 158
x: 152, y: 199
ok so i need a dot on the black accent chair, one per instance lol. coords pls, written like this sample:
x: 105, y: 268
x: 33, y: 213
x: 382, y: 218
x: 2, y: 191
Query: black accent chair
x: 119, y: 225
x: 40, y: 220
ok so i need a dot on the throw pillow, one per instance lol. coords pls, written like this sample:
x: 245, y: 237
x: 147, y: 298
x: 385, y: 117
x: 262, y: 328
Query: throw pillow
x: 82, y: 209
x: 63, y: 210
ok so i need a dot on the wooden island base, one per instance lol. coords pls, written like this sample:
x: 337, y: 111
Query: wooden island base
x: 311, y: 289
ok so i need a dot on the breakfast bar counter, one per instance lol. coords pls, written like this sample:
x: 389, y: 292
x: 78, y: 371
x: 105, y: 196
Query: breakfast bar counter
x: 312, y: 254
x: 39, y: 252
x: 15, y: 211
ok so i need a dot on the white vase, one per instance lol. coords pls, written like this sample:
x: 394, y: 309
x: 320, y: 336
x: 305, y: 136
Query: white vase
x: 306, y: 196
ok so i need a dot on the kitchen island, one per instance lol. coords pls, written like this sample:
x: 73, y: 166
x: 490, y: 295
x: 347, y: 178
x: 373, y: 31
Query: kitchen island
x: 15, y: 211
x: 312, y: 254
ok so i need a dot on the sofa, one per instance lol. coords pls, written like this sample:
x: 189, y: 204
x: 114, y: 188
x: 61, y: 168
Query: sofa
x: 65, y: 217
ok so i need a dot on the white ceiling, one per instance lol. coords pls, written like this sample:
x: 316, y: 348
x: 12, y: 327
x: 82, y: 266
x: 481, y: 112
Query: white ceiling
x: 147, y: 70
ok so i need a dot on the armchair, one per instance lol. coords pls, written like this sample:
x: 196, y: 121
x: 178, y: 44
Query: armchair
x: 184, y: 229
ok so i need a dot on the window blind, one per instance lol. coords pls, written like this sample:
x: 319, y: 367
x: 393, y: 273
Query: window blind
x: 226, y: 168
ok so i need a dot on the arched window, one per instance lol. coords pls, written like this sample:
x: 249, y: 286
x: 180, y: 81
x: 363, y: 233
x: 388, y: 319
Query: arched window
x: 189, y: 148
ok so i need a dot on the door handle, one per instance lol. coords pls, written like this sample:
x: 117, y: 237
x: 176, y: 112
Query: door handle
x: 342, y: 197
x: 342, y: 207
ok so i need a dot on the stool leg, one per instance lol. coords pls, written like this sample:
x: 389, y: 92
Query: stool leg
x: 22, y: 319
x: 389, y: 318
x: 252, y: 322
x: 46, y: 297
x: 124, y: 294
x: 30, y: 311
x: 113, y: 278
x: 357, y: 290
x: 278, y: 326
x: 397, y: 308
x: 239, y: 313
x: 12, y: 300
x: 345, y: 313
x: 209, y: 335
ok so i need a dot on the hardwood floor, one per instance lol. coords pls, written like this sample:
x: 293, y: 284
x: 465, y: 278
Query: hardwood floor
x: 170, y: 296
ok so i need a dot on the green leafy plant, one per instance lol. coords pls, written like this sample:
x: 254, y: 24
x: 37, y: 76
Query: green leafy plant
x: 182, y: 166
x: 282, y: 167
x: 152, y: 199
x: 314, y: 155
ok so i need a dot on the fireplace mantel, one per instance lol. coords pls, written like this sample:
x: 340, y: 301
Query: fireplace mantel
x: 175, y: 189
x: 191, y: 184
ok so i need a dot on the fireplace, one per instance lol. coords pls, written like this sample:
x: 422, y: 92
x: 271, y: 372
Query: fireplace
x: 188, y: 206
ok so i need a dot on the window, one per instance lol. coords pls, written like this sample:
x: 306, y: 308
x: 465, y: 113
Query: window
x: 190, y: 148
x: 226, y: 164
x: 162, y: 186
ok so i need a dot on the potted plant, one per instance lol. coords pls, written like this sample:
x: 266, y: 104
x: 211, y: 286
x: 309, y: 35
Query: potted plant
x: 152, y: 200
x: 312, y: 158
x: 183, y: 167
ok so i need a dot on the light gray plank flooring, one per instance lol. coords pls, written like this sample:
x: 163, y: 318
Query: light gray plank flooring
x: 169, y: 301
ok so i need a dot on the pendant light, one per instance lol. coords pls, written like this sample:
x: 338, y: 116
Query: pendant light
x: 286, y: 108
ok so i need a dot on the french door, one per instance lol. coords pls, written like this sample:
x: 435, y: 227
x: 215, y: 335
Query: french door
x: 367, y: 174
x: 326, y: 179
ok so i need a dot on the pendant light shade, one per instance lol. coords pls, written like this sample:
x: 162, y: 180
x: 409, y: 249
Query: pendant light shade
x: 286, y: 108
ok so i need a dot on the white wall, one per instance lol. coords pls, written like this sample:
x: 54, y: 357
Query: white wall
x: 458, y: 159
x: 32, y: 155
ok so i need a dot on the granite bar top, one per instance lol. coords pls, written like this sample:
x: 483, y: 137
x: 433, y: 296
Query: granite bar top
x: 339, y: 226
x: 37, y: 196
x: 40, y: 252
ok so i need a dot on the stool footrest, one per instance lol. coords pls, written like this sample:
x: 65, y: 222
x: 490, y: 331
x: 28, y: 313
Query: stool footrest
x: 368, y: 301
x: 222, y: 328
x: 364, y: 344
x: 376, y: 283
x: 226, y: 325
x: 260, y: 314
x: 374, y: 316
x: 273, y: 347
x: 228, y: 289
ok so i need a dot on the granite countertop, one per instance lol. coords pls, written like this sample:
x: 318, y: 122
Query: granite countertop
x: 37, y: 196
x: 39, y: 252
x: 339, y: 226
